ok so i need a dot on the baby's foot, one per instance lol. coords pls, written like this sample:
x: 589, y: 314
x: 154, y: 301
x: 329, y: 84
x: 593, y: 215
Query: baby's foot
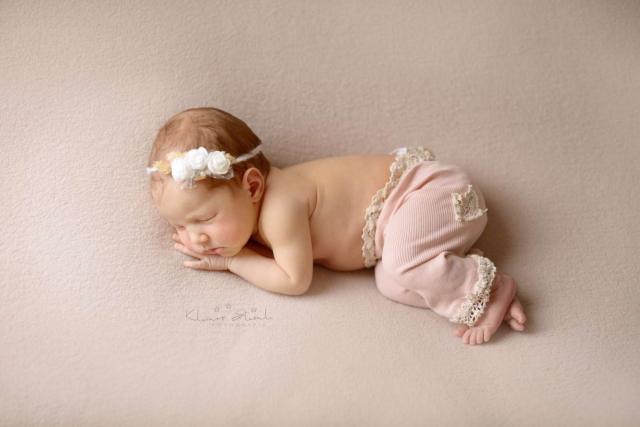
x: 502, y: 306
x: 515, y: 316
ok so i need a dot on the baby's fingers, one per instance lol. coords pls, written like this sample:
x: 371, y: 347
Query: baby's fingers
x: 182, y: 248
x: 212, y: 263
x: 198, y: 265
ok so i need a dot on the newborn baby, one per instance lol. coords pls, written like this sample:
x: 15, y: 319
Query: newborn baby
x: 410, y: 217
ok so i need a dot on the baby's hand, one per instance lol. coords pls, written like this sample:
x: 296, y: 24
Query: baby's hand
x: 176, y: 238
x: 204, y: 262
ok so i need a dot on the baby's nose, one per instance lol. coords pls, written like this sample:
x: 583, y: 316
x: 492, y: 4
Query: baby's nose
x: 199, y: 238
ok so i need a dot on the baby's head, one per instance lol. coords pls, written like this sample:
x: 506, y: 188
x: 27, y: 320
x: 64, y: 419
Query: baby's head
x: 219, y: 206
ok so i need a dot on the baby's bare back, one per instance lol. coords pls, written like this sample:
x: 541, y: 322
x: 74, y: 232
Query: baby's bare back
x: 338, y: 191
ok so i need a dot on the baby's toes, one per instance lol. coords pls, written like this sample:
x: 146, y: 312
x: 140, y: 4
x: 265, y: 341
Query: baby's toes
x: 466, y: 338
x: 515, y: 325
x: 474, y: 336
x: 459, y: 330
x: 517, y: 311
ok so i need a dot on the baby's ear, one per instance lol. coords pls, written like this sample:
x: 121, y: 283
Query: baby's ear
x: 254, y: 182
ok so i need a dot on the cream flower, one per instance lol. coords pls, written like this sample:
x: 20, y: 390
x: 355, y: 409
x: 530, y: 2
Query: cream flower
x: 197, y: 159
x: 180, y: 169
x: 218, y: 163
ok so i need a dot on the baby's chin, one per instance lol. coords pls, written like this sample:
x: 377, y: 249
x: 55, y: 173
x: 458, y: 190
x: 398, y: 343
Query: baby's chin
x: 230, y: 251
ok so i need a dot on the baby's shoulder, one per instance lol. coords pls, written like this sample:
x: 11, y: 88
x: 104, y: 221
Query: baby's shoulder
x: 286, y: 195
x: 285, y: 186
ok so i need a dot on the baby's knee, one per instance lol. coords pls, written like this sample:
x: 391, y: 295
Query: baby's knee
x: 393, y: 290
x: 416, y: 273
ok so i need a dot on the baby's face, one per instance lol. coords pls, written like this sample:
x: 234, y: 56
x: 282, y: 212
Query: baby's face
x: 206, y: 219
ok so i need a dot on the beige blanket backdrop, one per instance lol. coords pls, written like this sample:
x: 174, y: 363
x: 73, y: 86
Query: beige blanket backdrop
x: 101, y: 325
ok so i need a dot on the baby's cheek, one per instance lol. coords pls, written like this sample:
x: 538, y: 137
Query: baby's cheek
x: 230, y: 231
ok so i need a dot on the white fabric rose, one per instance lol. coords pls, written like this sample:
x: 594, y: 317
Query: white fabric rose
x: 197, y: 159
x: 180, y: 169
x: 218, y: 163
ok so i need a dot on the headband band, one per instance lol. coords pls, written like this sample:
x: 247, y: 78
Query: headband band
x: 198, y: 163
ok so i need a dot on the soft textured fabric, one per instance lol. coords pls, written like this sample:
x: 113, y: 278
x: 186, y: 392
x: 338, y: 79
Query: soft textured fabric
x: 426, y: 226
x: 537, y: 100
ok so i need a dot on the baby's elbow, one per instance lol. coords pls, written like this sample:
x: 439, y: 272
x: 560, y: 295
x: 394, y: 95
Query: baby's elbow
x: 302, y: 292
x: 300, y: 289
x: 300, y: 284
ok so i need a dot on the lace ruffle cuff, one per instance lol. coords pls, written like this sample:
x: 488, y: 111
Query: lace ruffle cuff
x: 475, y: 301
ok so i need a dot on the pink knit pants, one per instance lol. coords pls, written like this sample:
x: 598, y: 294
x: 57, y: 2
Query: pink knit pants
x: 423, y: 237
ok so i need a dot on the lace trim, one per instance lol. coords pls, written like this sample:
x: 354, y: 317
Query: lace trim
x: 467, y: 205
x: 475, y: 301
x: 405, y: 159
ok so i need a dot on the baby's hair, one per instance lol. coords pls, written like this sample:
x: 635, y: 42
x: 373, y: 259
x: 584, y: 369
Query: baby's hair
x: 213, y: 129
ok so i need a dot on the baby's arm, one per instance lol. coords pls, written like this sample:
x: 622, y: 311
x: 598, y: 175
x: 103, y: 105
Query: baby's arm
x: 286, y: 227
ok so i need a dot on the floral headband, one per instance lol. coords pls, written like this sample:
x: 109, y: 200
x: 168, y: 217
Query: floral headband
x: 198, y: 163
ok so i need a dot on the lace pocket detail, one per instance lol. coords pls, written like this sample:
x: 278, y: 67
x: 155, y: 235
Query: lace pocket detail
x: 467, y: 205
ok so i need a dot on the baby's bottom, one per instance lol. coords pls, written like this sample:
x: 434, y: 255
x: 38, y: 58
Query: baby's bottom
x: 425, y: 260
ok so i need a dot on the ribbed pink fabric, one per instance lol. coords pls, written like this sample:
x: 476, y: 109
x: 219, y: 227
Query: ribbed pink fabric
x: 423, y: 249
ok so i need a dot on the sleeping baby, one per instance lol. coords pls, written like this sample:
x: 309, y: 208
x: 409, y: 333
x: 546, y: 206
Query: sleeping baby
x: 407, y: 215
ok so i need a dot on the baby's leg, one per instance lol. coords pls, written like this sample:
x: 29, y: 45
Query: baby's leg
x: 455, y: 287
x: 387, y: 285
x: 424, y: 264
